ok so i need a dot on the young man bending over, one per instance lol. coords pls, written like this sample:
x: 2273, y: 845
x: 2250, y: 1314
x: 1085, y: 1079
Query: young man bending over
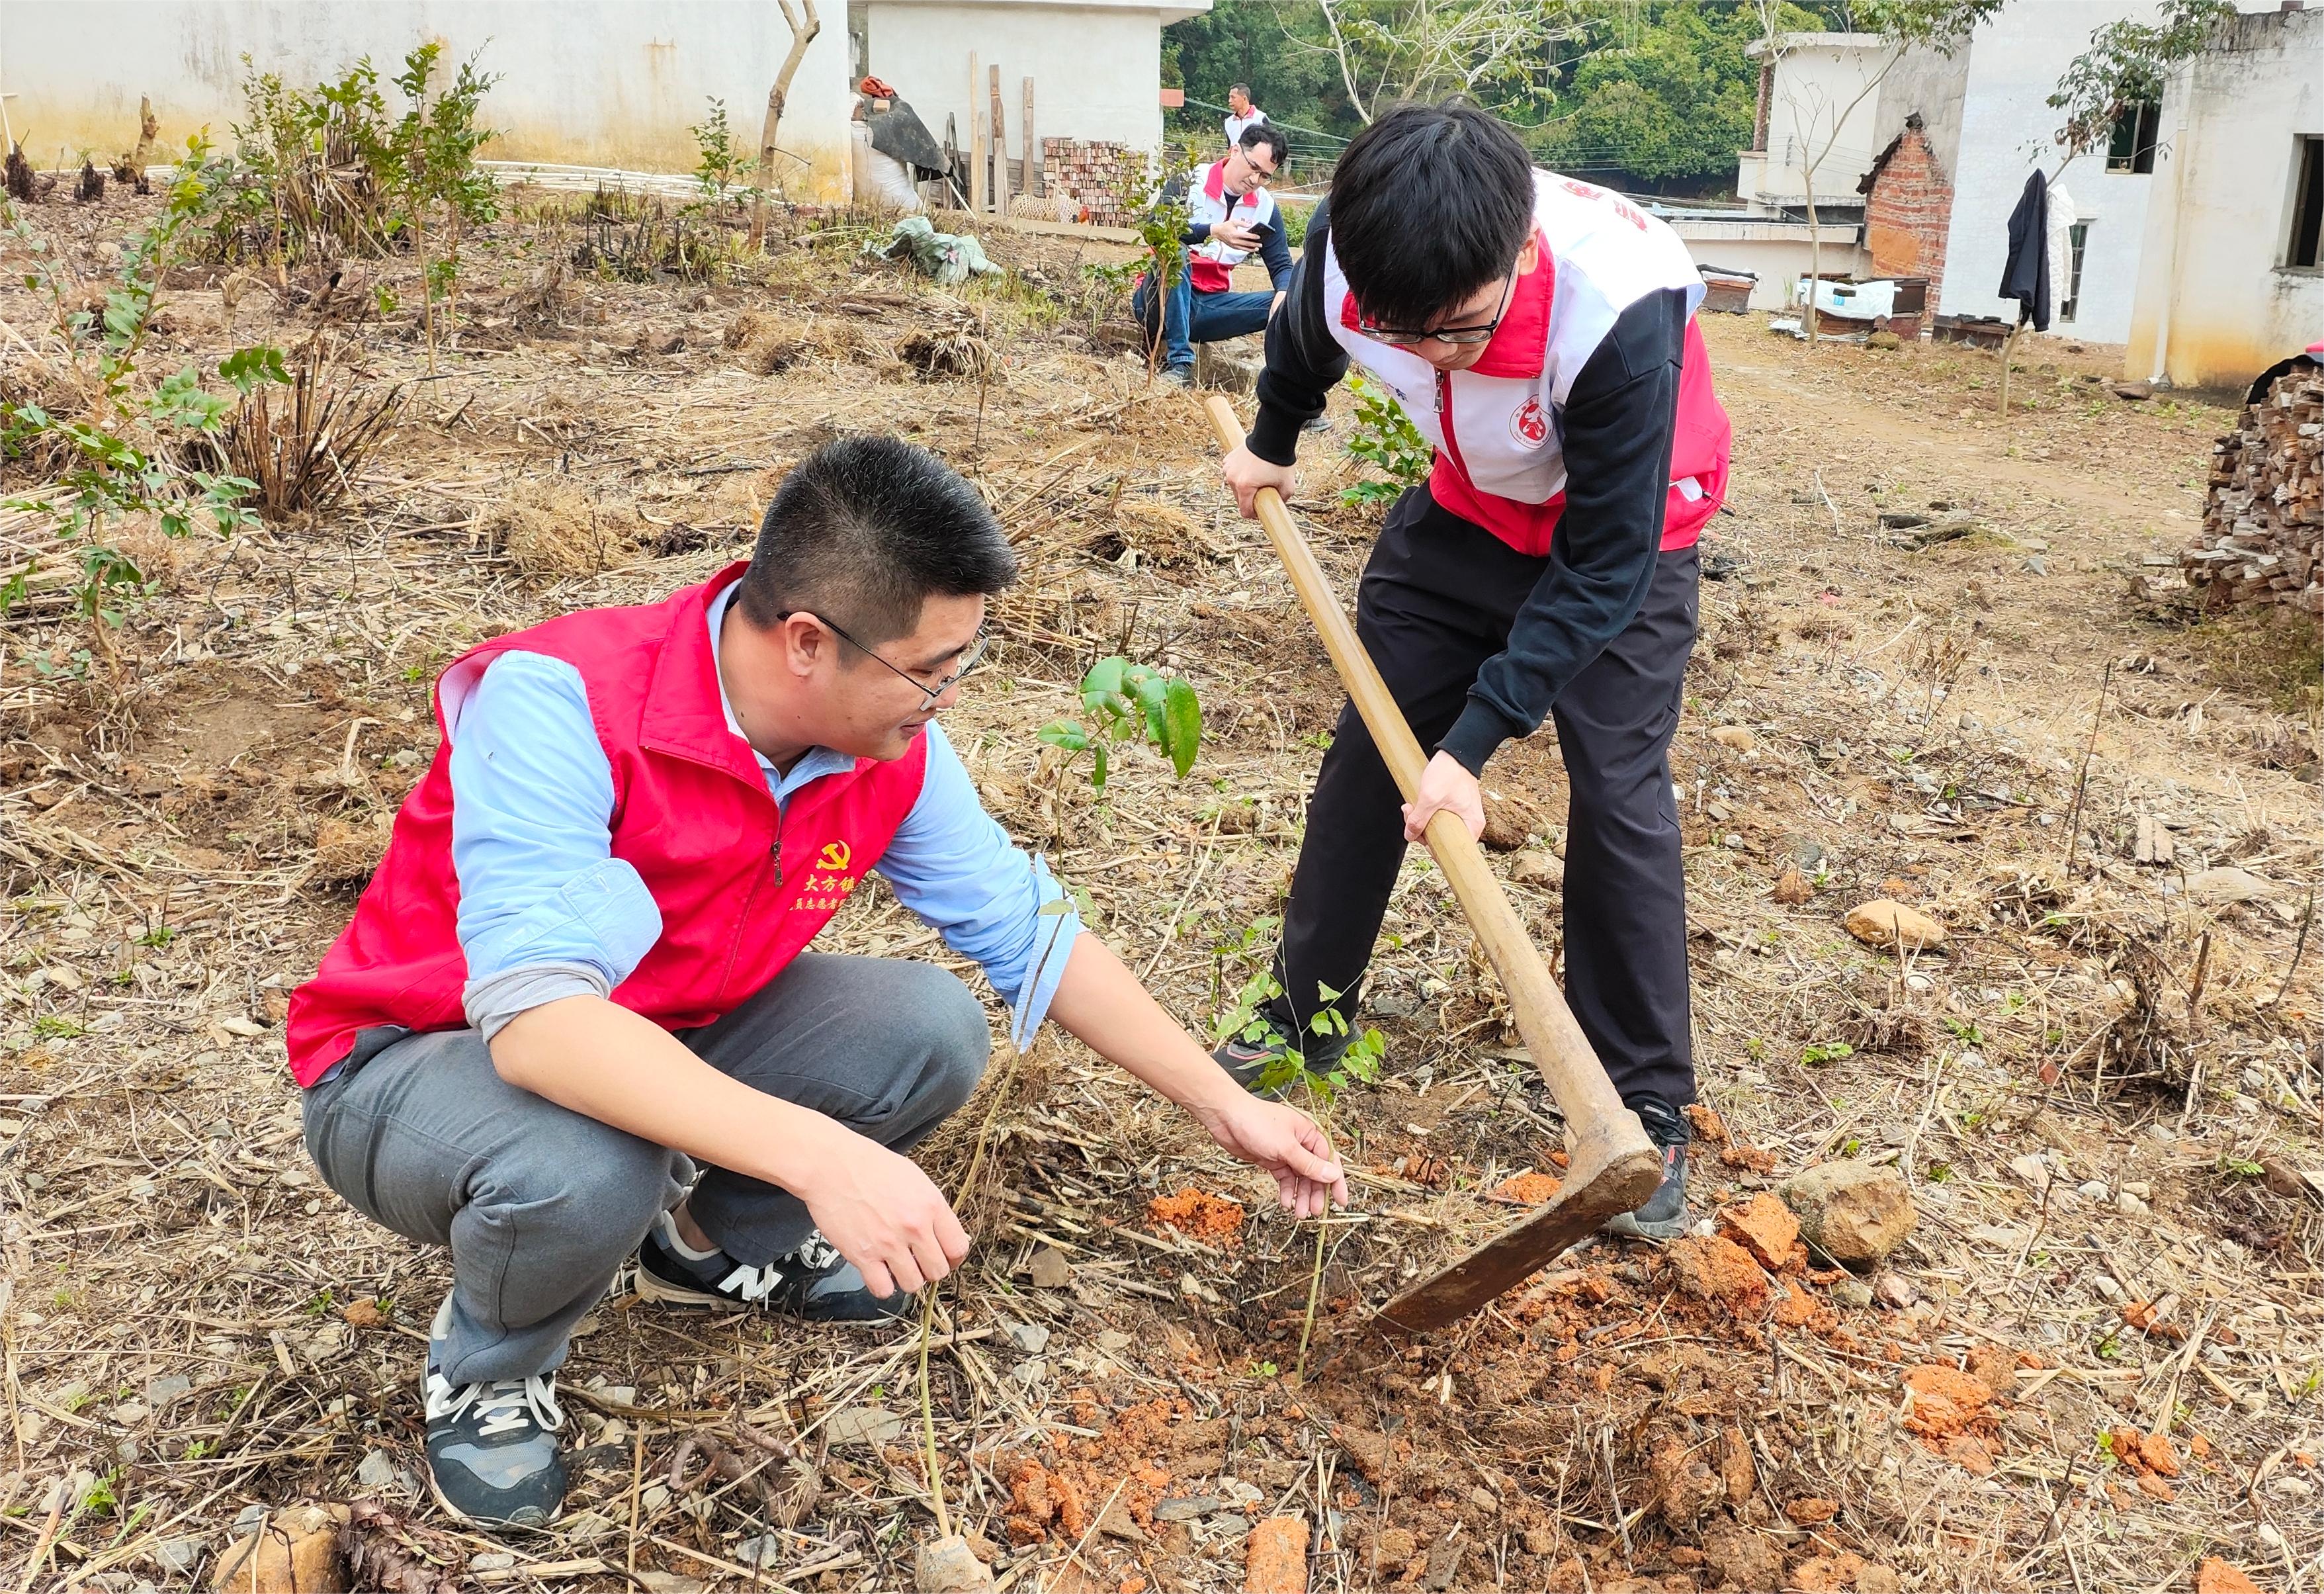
x: 582, y: 969
x: 1540, y: 333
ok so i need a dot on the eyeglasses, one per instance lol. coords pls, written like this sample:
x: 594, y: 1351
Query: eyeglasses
x: 970, y: 657
x: 1253, y: 164
x: 1479, y: 333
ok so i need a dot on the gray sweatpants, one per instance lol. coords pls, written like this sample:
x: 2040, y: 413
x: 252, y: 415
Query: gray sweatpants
x: 541, y: 1205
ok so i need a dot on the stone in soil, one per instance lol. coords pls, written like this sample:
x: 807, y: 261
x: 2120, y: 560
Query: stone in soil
x: 1852, y: 1212
x: 376, y: 1471
x: 1684, y: 1486
x: 1884, y: 923
x: 296, y: 1552
x: 948, y: 1566
x: 1736, y: 1555
x: 1276, y: 1557
x: 1763, y: 1226
x: 863, y: 1426
x: 1050, y: 1269
x: 1443, y: 1562
x: 1716, y: 1269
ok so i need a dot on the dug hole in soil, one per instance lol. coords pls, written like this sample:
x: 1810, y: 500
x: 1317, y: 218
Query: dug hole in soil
x: 2081, y: 1042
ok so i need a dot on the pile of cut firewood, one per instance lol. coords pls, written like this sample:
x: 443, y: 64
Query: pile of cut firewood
x: 2264, y: 525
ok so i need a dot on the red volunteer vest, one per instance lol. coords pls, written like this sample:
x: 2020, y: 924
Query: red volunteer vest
x: 1499, y: 462
x: 742, y: 888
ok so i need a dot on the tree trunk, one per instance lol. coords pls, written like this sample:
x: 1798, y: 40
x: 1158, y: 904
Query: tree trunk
x: 803, y: 33
x: 1815, y: 250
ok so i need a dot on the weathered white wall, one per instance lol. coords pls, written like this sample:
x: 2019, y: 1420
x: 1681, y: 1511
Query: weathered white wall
x: 1096, y: 67
x: 1814, y: 112
x: 2006, y: 134
x: 2213, y: 290
x: 591, y: 82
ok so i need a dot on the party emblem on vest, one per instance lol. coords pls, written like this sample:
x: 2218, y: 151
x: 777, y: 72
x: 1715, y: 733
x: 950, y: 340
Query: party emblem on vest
x: 825, y: 890
x: 1530, y: 425
x: 835, y: 857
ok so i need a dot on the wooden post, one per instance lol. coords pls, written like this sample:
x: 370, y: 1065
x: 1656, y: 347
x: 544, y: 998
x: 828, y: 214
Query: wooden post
x: 976, y: 136
x: 1000, y: 151
x: 2008, y: 347
x: 1030, y: 177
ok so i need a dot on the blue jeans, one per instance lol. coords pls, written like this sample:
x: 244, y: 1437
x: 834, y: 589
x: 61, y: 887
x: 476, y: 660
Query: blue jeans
x: 1189, y: 318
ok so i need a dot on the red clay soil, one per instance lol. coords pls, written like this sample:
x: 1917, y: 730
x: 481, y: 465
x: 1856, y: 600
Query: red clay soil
x: 1213, y: 1219
x: 1527, y: 1190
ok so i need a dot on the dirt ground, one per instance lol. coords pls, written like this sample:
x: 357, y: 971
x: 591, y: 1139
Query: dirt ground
x: 1945, y: 661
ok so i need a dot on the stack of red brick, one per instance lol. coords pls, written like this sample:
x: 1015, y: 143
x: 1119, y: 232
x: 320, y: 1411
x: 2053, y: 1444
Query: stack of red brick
x: 1096, y: 173
x: 2263, y: 525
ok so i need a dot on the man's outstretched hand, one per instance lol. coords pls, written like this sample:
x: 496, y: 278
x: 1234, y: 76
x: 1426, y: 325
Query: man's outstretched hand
x: 1245, y: 473
x: 1287, y: 1143
x: 885, y: 1216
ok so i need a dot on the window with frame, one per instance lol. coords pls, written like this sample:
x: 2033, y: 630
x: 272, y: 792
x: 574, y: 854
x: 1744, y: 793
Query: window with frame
x: 2078, y: 238
x: 2305, y: 249
x: 2131, y: 147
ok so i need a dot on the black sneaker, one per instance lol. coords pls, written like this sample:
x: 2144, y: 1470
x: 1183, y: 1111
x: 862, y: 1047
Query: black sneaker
x: 1178, y: 375
x: 494, y: 1457
x: 812, y: 1282
x: 1251, y: 1058
x: 1664, y: 1215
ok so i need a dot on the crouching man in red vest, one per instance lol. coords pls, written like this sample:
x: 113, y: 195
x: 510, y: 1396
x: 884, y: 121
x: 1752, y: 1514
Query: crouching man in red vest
x: 1539, y: 332
x: 581, y: 971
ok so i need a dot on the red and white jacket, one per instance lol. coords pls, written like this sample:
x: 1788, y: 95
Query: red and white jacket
x: 1494, y: 426
x: 1208, y: 203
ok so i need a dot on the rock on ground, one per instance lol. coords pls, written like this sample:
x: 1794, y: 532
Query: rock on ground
x: 1277, y: 1557
x: 1887, y: 924
x: 296, y: 1553
x: 2217, y: 1577
x: 1852, y: 1212
x: 1763, y: 1226
x: 948, y: 1566
x: 1227, y: 367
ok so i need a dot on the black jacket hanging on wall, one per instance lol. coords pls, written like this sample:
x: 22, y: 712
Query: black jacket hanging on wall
x: 2025, y: 275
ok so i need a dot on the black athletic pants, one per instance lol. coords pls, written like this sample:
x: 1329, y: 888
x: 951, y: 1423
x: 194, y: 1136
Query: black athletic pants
x: 1437, y: 601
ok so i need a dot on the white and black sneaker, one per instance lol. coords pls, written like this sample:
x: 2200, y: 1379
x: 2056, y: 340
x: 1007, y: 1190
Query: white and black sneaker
x: 812, y: 1282
x: 494, y: 1457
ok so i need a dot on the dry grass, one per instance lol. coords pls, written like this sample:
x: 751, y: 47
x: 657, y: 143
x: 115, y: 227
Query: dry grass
x: 178, y: 845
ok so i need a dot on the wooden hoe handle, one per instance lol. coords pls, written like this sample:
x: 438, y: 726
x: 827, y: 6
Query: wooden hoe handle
x: 1614, y: 1166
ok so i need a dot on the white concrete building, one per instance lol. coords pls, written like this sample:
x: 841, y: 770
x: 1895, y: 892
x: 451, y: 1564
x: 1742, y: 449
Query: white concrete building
x: 613, y: 83
x: 2232, y: 278
x: 1980, y: 126
x: 1096, y: 65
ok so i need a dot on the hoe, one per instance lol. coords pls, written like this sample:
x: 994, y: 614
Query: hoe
x: 1614, y: 1167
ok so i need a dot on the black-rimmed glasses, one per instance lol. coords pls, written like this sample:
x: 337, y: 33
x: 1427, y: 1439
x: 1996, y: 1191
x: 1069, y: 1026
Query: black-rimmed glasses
x: 1481, y: 332
x: 970, y: 657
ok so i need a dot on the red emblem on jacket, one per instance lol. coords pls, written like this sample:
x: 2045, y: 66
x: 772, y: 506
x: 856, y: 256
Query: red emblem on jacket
x: 1530, y: 425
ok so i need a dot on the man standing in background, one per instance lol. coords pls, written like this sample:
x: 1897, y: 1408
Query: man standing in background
x: 1241, y: 115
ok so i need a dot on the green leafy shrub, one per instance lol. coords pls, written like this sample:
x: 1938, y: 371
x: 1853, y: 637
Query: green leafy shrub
x: 125, y: 452
x: 1384, y: 437
x: 1127, y: 702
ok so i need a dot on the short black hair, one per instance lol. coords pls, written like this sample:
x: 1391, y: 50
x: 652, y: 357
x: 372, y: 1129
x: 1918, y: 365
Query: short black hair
x: 1242, y: 89
x: 863, y: 531
x: 1429, y: 204
x: 1269, y: 135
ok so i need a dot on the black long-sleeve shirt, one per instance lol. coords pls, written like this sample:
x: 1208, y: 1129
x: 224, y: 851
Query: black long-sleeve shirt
x: 1616, y: 429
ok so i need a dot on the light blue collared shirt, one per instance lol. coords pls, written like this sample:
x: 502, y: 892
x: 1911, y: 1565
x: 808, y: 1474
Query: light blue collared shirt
x: 548, y: 912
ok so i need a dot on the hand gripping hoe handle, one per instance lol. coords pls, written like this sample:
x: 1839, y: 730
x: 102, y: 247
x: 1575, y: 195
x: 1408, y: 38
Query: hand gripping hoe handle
x: 1614, y: 1168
